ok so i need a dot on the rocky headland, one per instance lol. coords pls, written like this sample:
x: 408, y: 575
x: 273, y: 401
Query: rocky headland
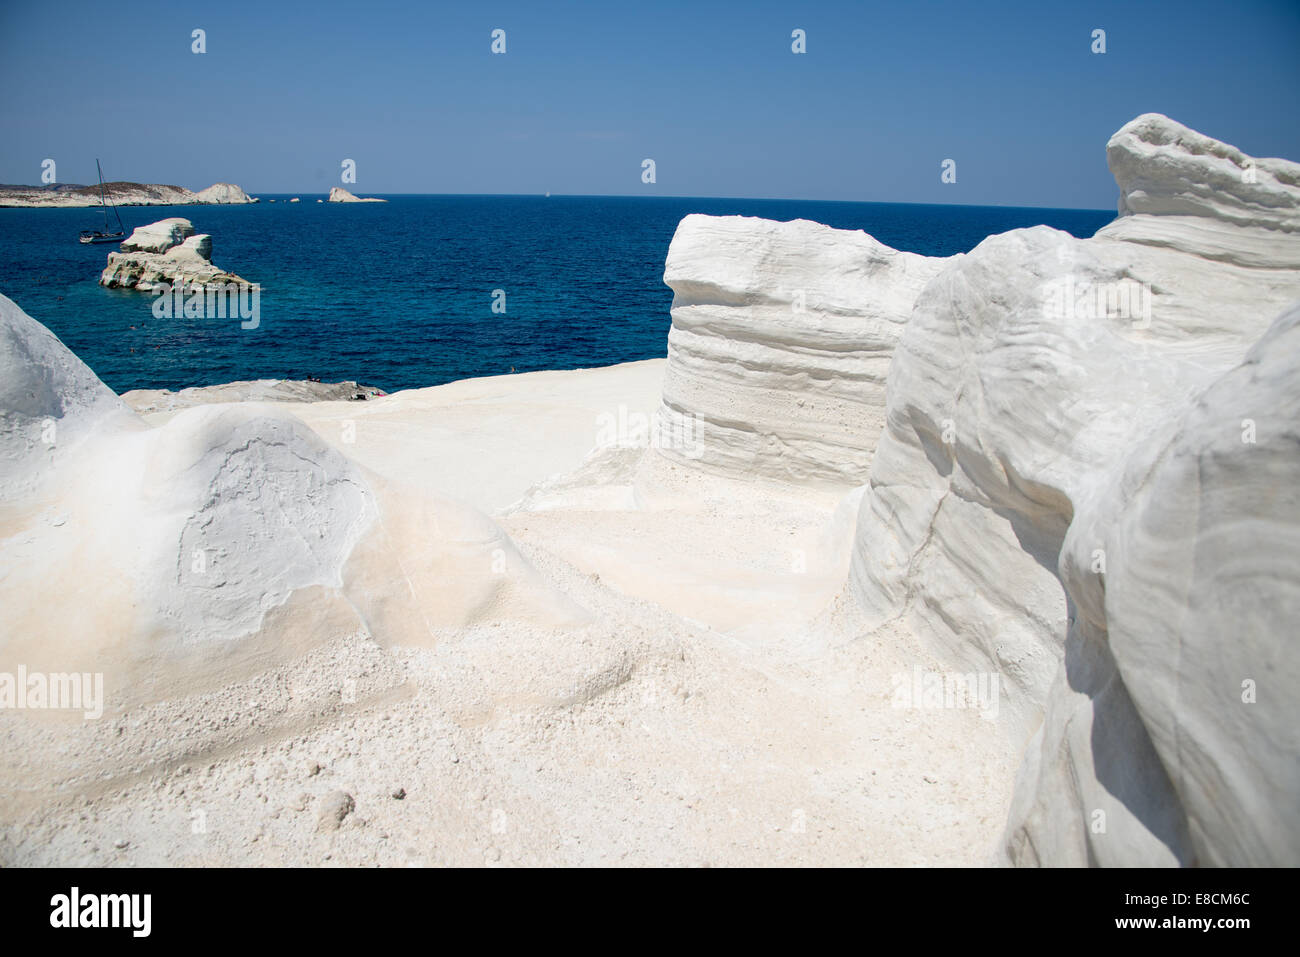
x: 123, y: 194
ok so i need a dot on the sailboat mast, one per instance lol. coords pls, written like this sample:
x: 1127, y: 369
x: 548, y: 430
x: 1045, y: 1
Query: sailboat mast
x: 103, y: 203
x: 103, y: 207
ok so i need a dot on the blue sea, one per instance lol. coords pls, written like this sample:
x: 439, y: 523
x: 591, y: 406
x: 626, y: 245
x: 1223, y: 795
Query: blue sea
x: 400, y: 294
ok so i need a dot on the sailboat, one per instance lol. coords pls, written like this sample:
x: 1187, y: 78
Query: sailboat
x: 104, y: 236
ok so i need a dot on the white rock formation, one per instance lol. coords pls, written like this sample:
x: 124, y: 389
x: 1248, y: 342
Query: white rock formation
x: 158, y: 237
x: 340, y: 195
x: 1200, y: 617
x: 1086, y: 486
x: 165, y: 252
x: 1170, y: 715
x: 229, y: 534
x: 1183, y: 190
x: 223, y: 194
x: 780, y: 346
x: 1020, y: 397
x: 49, y: 402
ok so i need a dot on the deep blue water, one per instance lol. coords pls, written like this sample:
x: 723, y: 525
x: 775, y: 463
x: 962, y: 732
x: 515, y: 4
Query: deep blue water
x: 399, y: 295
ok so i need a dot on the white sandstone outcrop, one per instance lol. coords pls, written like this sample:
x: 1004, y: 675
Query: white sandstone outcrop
x: 1040, y: 386
x: 49, y: 402
x: 780, y: 345
x: 229, y: 534
x: 224, y: 194
x: 158, y: 237
x: 1032, y: 372
x: 1200, y: 616
x: 1183, y: 190
x: 165, y: 252
x: 340, y: 195
x: 1085, y: 487
x: 1169, y: 715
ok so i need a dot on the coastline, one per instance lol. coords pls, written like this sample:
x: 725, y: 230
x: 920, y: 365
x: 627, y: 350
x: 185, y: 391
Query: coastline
x: 120, y: 194
x: 886, y: 562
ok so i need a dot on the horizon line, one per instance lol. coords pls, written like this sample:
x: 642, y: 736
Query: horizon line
x: 754, y: 199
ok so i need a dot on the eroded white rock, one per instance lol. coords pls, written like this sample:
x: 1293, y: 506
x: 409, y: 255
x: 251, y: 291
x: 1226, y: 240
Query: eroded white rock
x: 224, y: 194
x: 1182, y: 189
x: 228, y: 538
x: 158, y: 237
x: 49, y: 402
x: 166, y: 252
x: 780, y: 345
x: 1032, y: 375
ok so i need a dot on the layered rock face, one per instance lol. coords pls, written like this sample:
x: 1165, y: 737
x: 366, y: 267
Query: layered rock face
x: 166, y: 252
x: 780, y: 346
x: 1183, y: 190
x: 1042, y: 505
x: 340, y: 195
x: 1085, y: 482
x: 1192, y: 620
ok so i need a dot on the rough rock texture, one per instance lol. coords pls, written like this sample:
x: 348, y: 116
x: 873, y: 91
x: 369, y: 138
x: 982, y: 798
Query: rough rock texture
x: 1175, y: 692
x: 149, y: 401
x: 334, y: 807
x: 340, y: 195
x: 1184, y: 190
x: 121, y: 194
x: 230, y: 535
x: 166, y: 252
x: 1202, y: 615
x: 158, y: 237
x: 1023, y: 391
x: 780, y: 346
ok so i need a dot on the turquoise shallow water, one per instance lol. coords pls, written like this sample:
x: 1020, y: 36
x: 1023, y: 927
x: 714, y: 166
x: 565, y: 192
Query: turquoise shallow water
x: 400, y: 294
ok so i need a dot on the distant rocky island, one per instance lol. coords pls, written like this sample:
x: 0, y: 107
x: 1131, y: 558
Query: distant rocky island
x: 167, y: 252
x: 340, y: 195
x: 123, y: 194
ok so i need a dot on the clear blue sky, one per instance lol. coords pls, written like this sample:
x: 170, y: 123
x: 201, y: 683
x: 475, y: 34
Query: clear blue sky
x: 585, y: 92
